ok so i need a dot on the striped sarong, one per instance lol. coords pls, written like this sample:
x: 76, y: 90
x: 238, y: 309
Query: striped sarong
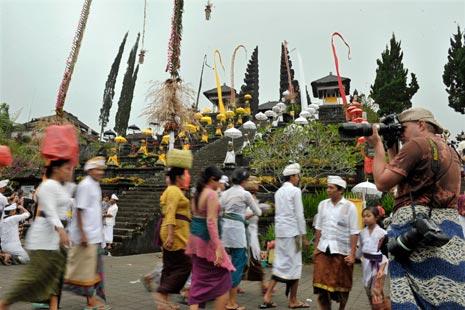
x: 433, y: 277
x: 41, y: 278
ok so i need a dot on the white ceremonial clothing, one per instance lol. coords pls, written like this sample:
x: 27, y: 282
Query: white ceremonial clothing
x: 236, y: 200
x: 369, y: 244
x: 230, y: 158
x: 287, y: 262
x: 252, y: 228
x: 110, y: 223
x: 10, y: 236
x: 336, y: 223
x: 89, y: 202
x: 53, y: 201
x: 289, y: 211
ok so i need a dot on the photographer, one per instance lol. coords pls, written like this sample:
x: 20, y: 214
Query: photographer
x: 426, y: 243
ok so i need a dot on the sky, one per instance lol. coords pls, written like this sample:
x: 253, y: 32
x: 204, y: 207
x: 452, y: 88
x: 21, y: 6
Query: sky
x: 36, y: 37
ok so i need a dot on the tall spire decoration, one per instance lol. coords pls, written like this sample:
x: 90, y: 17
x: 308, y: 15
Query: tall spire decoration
x: 72, y: 58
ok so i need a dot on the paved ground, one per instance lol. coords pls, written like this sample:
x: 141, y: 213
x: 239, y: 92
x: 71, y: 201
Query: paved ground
x: 125, y: 291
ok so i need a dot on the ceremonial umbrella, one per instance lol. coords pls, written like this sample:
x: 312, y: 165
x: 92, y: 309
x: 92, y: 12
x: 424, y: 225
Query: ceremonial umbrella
x: 233, y: 133
x: 134, y: 128
x: 249, y: 125
x: 301, y: 121
x: 366, y: 188
x: 261, y: 116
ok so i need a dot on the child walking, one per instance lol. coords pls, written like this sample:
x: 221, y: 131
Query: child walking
x: 374, y: 262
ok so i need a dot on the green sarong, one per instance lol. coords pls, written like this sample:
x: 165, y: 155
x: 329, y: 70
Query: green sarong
x: 40, y: 279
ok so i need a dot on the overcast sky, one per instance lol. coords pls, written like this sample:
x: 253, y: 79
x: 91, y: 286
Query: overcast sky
x: 36, y: 37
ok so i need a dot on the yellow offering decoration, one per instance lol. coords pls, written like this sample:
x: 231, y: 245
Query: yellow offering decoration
x: 162, y: 159
x: 204, y: 138
x: 198, y: 116
x: 247, y: 110
x: 113, y: 161
x: 230, y: 114
x: 206, y: 110
x: 239, y: 120
x: 218, y: 83
x: 186, y: 147
x: 182, y: 134
x: 206, y: 120
x: 120, y: 139
x: 165, y: 139
x: 230, y: 125
x: 218, y: 132
x: 221, y: 117
x: 240, y: 111
x: 148, y: 132
x: 190, y: 128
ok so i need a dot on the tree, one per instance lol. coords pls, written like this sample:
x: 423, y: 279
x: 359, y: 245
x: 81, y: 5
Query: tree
x: 316, y: 147
x: 109, y: 91
x: 454, y: 72
x: 6, y: 124
x: 127, y: 92
x: 390, y: 89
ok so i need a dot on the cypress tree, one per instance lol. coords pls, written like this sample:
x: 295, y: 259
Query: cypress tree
x: 109, y: 91
x: 127, y: 92
x: 454, y: 72
x: 390, y: 88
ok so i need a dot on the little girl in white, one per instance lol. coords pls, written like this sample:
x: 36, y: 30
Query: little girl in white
x: 374, y: 263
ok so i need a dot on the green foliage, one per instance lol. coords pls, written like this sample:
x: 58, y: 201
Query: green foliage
x: 388, y: 201
x: 268, y: 236
x: 109, y: 91
x: 454, y: 72
x: 6, y: 124
x: 307, y: 252
x: 390, y: 89
x: 316, y: 147
x: 311, y: 202
x: 127, y: 92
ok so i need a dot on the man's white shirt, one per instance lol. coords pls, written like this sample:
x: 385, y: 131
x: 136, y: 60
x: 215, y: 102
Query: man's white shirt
x: 336, y: 223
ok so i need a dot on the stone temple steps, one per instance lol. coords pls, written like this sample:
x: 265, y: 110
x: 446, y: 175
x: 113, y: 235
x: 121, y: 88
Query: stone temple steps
x: 139, y: 207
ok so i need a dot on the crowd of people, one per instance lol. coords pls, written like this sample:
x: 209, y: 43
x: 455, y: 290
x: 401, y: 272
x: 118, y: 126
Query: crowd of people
x: 208, y: 235
x: 70, y: 231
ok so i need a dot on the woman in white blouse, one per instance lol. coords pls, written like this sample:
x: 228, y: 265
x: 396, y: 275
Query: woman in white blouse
x: 234, y: 203
x: 41, y: 279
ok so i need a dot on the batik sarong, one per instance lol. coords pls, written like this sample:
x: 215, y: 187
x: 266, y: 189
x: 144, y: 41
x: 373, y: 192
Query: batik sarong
x: 432, y: 277
x: 84, y: 272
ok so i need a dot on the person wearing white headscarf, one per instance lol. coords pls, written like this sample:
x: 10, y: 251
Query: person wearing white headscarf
x: 10, y: 232
x: 290, y: 231
x: 110, y: 221
x: 336, y: 237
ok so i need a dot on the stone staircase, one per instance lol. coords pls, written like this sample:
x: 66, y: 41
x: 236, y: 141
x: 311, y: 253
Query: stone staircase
x: 139, y: 206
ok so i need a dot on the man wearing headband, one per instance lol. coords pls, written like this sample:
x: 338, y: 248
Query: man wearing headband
x: 110, y: 221
x: 426, y: 174
x: 84, y: 271
x: 291, y: 231
x: 336, y: 236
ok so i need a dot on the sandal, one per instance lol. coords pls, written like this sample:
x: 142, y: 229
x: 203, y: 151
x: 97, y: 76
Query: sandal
x: 301, y: 305
x: 268, y: 305
x: 237, y: 308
